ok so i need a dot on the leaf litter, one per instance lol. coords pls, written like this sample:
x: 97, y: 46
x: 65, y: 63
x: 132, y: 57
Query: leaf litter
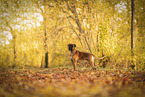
x: 64, y: 82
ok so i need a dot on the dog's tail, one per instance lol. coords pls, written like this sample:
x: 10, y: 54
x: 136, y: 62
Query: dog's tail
x: 100, y: 58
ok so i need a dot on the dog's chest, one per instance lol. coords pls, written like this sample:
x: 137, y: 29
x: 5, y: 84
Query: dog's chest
x: 70, y: 57
x: 73, y: 55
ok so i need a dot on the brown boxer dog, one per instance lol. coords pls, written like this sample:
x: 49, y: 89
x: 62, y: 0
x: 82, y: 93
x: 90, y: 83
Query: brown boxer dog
x: 77, y: 55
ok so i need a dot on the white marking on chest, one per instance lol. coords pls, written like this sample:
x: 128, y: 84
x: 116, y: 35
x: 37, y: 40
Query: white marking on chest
x: 70, y: 55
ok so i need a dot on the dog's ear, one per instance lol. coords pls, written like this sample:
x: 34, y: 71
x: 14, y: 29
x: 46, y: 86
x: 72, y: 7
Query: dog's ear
x: 74, y: 45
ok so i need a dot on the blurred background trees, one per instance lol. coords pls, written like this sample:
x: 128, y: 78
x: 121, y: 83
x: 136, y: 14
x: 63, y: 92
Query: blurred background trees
x: 36, y: 32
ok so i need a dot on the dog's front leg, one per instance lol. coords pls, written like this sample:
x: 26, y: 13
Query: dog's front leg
x: 74, y: 64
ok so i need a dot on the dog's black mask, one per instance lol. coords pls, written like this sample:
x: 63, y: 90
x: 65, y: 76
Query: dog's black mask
x: 71, y: 46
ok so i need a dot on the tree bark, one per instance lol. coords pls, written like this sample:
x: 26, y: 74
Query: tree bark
x: 132, y: 30
x: 45, y: 46
x: 14, y: 47
x: 45, y: 60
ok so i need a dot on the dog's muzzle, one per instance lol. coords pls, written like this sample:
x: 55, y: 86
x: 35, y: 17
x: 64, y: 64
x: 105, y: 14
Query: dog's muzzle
x: 70, y: 49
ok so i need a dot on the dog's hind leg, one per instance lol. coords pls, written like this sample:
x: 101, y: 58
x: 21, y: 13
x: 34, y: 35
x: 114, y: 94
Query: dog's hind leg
x: 91, y: 61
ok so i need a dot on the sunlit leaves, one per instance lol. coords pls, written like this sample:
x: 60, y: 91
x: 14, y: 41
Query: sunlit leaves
x: 21, y: 15
x: 105, y: 25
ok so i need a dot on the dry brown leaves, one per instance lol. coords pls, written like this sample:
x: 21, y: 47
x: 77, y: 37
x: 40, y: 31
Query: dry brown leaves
x: 64, y: 82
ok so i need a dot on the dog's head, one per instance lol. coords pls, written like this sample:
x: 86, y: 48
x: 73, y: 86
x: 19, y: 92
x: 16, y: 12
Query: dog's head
x: 71, y: 46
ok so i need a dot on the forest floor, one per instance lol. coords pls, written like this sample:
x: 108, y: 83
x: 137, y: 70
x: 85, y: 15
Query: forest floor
x: 65, y: 82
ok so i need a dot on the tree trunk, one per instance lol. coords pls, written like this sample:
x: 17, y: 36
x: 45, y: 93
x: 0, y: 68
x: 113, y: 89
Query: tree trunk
x: 14, y: 44
x: 132, y: 30
x: 45, y: 58
x: 14, y: 47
